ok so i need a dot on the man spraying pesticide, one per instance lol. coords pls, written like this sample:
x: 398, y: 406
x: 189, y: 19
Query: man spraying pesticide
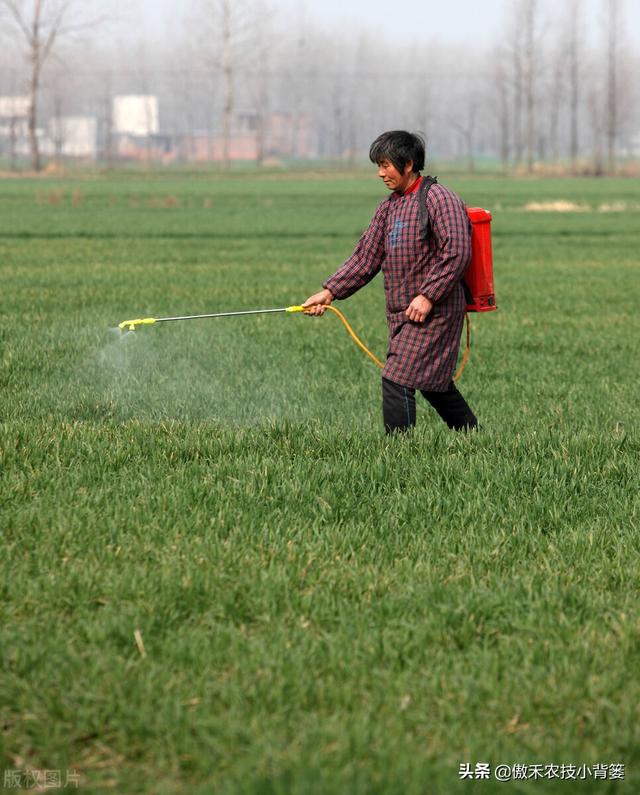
x: 420, y: 237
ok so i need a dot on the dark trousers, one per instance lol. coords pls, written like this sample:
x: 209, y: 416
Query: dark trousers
x: 399, y: 407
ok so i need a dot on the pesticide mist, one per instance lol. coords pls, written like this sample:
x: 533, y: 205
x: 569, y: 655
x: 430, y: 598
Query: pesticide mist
x: 229, y: 371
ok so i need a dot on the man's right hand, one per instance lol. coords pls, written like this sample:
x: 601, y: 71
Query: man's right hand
x: 317, y: 303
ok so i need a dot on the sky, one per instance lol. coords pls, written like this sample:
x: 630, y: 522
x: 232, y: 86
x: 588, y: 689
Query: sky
x: 472, y: 22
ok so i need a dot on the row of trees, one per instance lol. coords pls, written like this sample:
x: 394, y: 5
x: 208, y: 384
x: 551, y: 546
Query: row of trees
x: 541, y: 95
x: 554, y: 97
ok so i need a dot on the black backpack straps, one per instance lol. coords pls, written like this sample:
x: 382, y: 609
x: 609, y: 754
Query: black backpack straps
x: 423, y: 189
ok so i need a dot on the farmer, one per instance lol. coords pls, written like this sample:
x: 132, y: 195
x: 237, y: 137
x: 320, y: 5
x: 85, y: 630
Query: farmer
x: 422, y: 283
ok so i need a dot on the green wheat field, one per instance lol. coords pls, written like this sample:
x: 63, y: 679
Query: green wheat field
x: 219, y: 576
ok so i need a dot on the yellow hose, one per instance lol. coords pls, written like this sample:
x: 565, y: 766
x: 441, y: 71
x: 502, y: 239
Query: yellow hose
x: 359, y: 342
x: 354, y: 336
x: 465, y: 355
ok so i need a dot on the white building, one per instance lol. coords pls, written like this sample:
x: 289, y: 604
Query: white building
x: 136, y: 115
x: 14, y: 125
x: 73, y: 136
x: 14, y: 107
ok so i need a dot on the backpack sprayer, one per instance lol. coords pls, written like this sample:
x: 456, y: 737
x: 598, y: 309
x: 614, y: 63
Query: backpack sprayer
x: 477, y: 281
x: 478, y: 278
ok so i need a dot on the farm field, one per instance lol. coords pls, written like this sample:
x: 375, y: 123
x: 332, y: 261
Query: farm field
x: 216, y: 573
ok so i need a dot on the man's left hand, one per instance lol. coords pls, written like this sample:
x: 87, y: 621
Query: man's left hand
x: 418, y: 309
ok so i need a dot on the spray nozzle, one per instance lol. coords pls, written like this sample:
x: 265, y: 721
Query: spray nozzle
x: 131, y: 324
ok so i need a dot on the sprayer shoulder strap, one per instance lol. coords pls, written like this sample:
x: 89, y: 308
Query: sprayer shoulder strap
x: 425, y: 223
x: 423, y: 189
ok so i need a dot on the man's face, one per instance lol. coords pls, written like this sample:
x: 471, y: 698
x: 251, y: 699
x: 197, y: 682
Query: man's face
x: 394, y: 179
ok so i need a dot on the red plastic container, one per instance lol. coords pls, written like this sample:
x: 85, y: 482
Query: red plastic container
x: 479, y: 274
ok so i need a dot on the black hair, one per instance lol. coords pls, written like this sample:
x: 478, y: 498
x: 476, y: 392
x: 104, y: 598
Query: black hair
x: 399, y: 147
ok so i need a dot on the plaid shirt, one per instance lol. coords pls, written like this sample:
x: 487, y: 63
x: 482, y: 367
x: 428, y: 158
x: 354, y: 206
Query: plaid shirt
x: 419, y: 355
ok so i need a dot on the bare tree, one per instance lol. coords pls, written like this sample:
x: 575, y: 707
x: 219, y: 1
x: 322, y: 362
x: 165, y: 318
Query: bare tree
x: 499, y: 101
x: 260, y: 66
x: 614, y: 46
x: 597, y: 126
x: 297, y: 90
x: 523, y: 52
x: 512, y: 56
x: 574, y: 71
x: 58, y: 127
x: 532, y: 69
x: 42, y: 24
x: 465, y: 125
x: 105, y: 116
x: 226, y: 64
x: 467, y: 131
x: 12, y: 112
x: 555, y: 94
x: 229, y: 32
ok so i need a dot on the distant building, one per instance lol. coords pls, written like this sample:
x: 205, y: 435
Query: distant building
x: 136, y: 114
x: 73, y: 136
x: 632, y: 148
x: 133, y: 133
x: 144, y: 148
x: 14, y: 107
x: 14, y: 126
x: 253, y: 137
x: 290, y: 135
x: 202, y: 147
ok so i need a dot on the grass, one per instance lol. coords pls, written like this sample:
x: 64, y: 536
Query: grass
x: 217, y: 575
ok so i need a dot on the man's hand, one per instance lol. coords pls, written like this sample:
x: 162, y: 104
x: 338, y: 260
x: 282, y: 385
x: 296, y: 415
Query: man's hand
x: 418, y: 309
x: 317, y: 303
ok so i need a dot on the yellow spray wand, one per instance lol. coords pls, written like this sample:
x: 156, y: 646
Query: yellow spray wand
x: 130, y: 325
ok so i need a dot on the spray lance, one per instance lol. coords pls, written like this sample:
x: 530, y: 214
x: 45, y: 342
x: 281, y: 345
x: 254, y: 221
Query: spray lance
x: 130, y: 325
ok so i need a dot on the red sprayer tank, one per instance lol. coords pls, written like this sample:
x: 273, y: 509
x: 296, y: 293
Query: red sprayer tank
x: 479, y: 274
